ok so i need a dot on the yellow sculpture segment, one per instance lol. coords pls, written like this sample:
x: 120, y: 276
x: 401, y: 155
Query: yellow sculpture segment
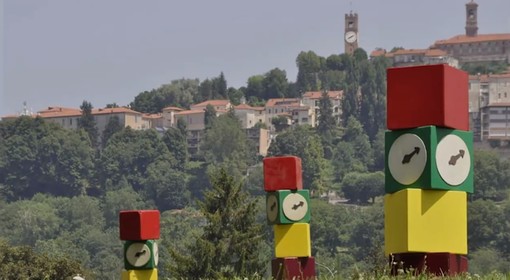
x: 145, y: 274
x: 292, y: 240
x: 431, y: 221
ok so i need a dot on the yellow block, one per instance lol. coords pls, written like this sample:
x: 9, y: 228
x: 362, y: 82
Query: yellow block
x: 292, y: 240
x: 417, y: 220
x: 143, y: 274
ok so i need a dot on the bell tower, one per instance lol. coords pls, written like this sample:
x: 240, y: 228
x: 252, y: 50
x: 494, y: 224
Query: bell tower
x: 351, y: 33
x: 471, y: 19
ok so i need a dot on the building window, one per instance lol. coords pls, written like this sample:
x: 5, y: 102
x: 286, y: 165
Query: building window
x: 269, y: 111
x: 316, y: 102
x: 505, y: 94
x: 70, y: 121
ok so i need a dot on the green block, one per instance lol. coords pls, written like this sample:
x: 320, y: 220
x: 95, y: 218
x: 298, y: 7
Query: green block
x: 429, y: 157
x: 141, y: 255
x: 288, y: 207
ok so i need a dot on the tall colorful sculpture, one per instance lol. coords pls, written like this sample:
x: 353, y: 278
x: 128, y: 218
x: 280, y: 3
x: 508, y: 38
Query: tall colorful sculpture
x: 140, y: 229
x: 429, y: 169
x: 288, y: 210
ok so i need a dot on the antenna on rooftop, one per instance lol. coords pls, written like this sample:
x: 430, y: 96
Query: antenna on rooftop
x: 25, y: 111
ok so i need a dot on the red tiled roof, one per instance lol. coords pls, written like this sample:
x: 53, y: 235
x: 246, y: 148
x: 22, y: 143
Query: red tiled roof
x: 170, y: 108
x: 283, y: 102
x: 189, y: 112
x: 485, y: 78
x: 105, y: 111
x: 221, y: 102
x: 243, y: 107
x: 318, y: 94
x: 378, y: 52
x: 474, y: 39
x: 409, y: 51
x: 435, y: 52
x: 259, y: 108
x: 59, y: 112
x: 152, y: 116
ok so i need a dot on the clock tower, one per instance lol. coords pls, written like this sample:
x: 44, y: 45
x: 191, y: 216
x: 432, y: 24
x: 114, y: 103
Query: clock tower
x: 471, y: 19
x: 351, y: 33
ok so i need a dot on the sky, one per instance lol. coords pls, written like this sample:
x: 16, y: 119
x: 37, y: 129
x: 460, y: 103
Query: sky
x: 62, y: 52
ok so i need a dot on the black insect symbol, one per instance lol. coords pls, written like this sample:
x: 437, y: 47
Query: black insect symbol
x: 139, y: 254
x: 296, y: 206
x: 273, y: 206
x: 454, y: 158
x: 407, y: 158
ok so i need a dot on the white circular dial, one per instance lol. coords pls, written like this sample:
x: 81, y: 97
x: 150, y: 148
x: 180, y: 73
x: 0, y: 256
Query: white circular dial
x: 294, y: 207
x: 272, y: 207
x: 138, y: 254
x: 453, y: 160
x: 351, y: 36
x: 407, y: 158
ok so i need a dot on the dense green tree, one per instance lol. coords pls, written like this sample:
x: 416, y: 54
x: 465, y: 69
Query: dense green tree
x: 333, y: 79
x: 27, y: 142
x: 275, y: 84
x: 360, y: 55
x: 354, y: 134
x: 368, y: 104
x: 492, y: 176
x: 23, y: 263
x: 327, y: 122
x: 280, y: 123
x: 310, y: 66
x: 486, y: 260
x: 485, y: 223
x: 210, y: 116
x: 235, y: 95
x: 25, y: 222
x: 113, y: 126
x: 380, y: 65
x: 255, y: 87
x: 367, y: 238
x: 344, y: 160
x: 361, y: 187
x: 167, y: 186
x: 220, y: 87
x: 226, y: 141
x: 87, y: 123
x: 327, y: 238
x: 128, y: 155
x: 180, y: 93
x: 177, y: 144
x: 335, y: 62
x: 378, y: 149
x: 230, y: 243
x: 350, y: 98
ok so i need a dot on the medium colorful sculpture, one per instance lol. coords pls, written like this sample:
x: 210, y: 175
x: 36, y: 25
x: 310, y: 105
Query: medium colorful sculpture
x: 429, y: 169
x: 140, y: 228
x: 288, y: 210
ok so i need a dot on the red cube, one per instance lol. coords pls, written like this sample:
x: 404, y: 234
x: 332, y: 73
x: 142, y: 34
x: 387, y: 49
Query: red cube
x: 137, y: 225
x: 427, y: 95
x: 293, y: 268
x: 440, y: 264
x: 282, y: 173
